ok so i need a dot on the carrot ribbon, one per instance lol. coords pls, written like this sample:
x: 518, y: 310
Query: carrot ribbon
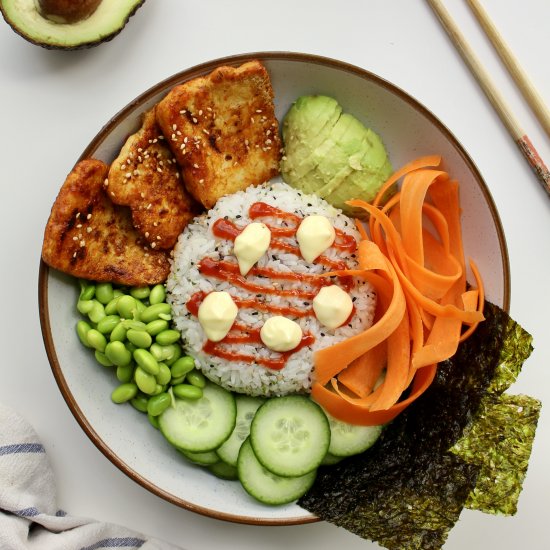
x: 412, y: 254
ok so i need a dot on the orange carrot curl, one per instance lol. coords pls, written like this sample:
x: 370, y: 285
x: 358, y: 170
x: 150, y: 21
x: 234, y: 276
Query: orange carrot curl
x: 412, y: 254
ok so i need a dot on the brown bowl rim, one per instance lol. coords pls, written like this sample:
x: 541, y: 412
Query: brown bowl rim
x: 166, y: 84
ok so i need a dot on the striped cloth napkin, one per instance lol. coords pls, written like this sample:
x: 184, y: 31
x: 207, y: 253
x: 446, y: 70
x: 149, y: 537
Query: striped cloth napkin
x: 29, y: 517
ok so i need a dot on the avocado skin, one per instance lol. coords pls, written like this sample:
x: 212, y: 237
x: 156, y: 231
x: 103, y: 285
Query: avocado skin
x: 332, y: 154
x: 54, y: 46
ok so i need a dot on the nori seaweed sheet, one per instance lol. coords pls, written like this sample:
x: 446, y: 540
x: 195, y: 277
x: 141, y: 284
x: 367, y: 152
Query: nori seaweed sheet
x: 499, y: 441
x: 408, y: 490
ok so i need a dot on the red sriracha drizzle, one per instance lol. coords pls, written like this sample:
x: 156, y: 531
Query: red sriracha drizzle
x: 229, y: 272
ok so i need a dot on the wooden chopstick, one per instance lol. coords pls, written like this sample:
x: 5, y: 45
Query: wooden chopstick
x: 520, y: 77
x: 495, y: 97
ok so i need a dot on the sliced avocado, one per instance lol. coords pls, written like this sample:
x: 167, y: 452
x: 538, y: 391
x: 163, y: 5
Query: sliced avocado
x: 339, y: 160
x: 363, y: 180
x: 28, y: 20
x: 306, y: 126
x: 323, y: 160
x: 349, y: 146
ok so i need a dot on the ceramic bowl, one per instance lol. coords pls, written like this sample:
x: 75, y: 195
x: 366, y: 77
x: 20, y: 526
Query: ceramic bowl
x: 407, y: 128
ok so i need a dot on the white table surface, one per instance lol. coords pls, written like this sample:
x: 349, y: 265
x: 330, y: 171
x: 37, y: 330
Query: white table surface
x: 53, y: 103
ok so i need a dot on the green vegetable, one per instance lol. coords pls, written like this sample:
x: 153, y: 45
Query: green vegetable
x: 96, y: 339
x: 102, y: 359
x: 145, y: 381
x: 87, y: 290
x: 108, y: 323
x: 187, y: 391
x: 164, y: 375
x: 139, y: 402
x: 157, y: 326
x: 155, y: 311
x: 125, y: 373
x: 196, y: 378
x: 158, y: 404
x: 157, y: 295
x: 104, y: 292
x: 146, y: 361
x: 331, y: 153
x: 82, y: 328
x: 140, y: 338
x: 126, y: 307
x: 182, y: 366
x: 123, y: 393
x: 167, y: 337
x: 140, y: 292
x: 117, y: 353
x: 118, y: 334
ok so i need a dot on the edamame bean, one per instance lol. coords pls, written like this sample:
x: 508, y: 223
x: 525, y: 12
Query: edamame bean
x: 146, y: 361
x: 125, y: 373
x: 132, y: 323
x: 154, y: 421
x: 130, y: 347
x: 84, y: 306
x: 139, y: 402
x: 154, y: 312
x: 167, y: 337
x: 157, y: 294
x: 97, y: 312
x: 187, y: 391
x: 96, y: 339
x: 117, y: 353
x: 139, y: 338
x: 157, y: 326
x: 140, y: 292
x: 108, y: 323
x: 156, y: 351
x: 182, y: 366
x: 87, y: 290
x: 158, y: 404
x: 196, y: 378
x: 158, y: 389
x: 176, y: 381
x: 82, y: 328
x: 118, y: 334
x: 145, y: 382
x: 111, y: 307
x: 102, y: 359
x: 172, y: 353
x: 117, y: 293
x: 124, y: 392
x: 164, y: 375
x: 140, y: 307
x: 126, y: 306
x: 104, y: 292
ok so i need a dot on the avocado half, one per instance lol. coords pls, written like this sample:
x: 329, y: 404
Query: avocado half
x: 108, y: 19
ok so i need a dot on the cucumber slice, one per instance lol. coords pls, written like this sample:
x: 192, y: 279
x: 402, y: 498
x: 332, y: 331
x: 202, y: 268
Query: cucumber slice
x: 350, y: 439
x: 246, y: 409
x: 224, y: 471
x: 330, y: 460
x: 290, y: 435
x: 266, y: 486
x: 202, y: 459
x: 200, y: 425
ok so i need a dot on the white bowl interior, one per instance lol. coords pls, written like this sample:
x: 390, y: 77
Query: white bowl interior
x: 125, y: 435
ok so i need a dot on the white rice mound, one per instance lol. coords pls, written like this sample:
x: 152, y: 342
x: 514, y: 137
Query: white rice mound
x: 197, y: 241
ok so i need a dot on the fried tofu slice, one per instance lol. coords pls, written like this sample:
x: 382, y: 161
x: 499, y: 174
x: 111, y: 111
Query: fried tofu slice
x: 89, y: 237
x: 146, y: 177
x: 222, y: 130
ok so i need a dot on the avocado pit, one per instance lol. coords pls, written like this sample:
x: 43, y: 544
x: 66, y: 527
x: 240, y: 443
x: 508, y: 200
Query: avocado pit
x: 67, y: 11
